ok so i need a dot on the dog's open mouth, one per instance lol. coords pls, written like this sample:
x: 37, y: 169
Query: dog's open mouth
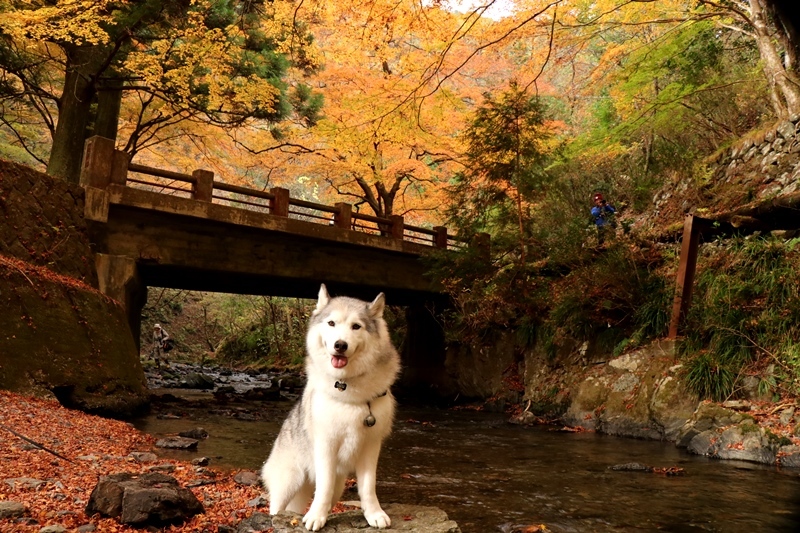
x: 338, y: 361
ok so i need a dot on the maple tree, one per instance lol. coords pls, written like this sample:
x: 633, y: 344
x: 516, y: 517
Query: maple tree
x: 400, y: 80
x: 217, y: 61
x: 370, y: 147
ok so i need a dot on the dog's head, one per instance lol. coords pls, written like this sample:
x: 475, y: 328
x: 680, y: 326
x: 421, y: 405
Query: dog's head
x: 343, y: 330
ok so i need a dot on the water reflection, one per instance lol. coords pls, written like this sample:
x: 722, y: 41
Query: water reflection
x: 491, y: 476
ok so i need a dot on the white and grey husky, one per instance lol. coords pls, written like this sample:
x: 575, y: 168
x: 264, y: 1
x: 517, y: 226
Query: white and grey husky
x: 345, y: 413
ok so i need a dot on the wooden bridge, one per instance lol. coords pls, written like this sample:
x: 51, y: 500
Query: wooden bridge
x: 152, y: 227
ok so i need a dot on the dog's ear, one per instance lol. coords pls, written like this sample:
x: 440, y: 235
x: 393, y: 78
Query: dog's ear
x: 375, y: 309
x: 322, y: 299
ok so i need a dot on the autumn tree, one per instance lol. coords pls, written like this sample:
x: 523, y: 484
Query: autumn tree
x: 219, y: 61
x: 376, y: 147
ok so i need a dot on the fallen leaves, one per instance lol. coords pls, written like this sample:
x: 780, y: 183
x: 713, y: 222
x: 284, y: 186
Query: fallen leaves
x: 96, y: 446
x: 574, y: 429
x: 669, y: 471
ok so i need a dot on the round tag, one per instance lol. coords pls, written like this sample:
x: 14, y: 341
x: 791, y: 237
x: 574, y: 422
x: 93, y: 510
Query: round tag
x: 369, y: 421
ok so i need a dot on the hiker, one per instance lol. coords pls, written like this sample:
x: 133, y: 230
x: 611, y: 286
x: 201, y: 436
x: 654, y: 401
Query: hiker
x: 602, y: 213
x: 160, y: 341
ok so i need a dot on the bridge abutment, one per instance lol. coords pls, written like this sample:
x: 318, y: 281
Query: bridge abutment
x: 423, y: 351
x: 118, y: 278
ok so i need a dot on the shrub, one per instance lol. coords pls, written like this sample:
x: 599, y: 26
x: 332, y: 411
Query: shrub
x: 745, y: 315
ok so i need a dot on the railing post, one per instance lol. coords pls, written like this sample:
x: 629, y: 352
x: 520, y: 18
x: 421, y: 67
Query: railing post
x: 398, y: 227
x: 98, y: 158
x: 279, y: 203
x: 482, y: 242
x: 686, y: 270
x: 203, y: 186
x: 343, y: 217
x: 440, y: 239
x: 119, y: 167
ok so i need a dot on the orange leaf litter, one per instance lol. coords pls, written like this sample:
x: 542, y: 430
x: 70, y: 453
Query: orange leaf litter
x: 103, y: 446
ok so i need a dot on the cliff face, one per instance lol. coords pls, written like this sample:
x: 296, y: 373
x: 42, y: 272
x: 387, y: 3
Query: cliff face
x: 58, y: 334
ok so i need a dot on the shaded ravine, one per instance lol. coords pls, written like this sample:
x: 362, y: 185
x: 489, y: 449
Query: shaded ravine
x: 491, y: 476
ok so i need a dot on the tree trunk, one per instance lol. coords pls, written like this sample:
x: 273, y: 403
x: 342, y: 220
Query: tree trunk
x: 788, y: 16
x: 73, y: 113
x: 783, y: 83
x: 109, y: 102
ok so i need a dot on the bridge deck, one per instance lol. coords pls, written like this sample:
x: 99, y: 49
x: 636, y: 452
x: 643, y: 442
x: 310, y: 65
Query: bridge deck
x: 186, y: 244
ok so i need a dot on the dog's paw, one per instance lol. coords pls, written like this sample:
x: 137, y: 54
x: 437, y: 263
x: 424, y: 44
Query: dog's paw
x: 378, y: 519
x: 314, y: 522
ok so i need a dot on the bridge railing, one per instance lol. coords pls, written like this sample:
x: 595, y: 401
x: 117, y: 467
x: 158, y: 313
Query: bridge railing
x: 104, y: 165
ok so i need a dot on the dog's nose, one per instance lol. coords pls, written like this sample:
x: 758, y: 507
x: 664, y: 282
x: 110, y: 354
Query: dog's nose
x: 340, y: 346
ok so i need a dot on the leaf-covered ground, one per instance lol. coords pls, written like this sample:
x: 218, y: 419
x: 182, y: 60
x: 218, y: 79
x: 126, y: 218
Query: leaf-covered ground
x: 95, y: 447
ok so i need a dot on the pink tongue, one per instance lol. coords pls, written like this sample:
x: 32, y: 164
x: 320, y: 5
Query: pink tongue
x: 338, y: 362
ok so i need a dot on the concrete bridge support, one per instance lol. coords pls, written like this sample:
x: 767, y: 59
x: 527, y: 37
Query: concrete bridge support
x: 119, y: 279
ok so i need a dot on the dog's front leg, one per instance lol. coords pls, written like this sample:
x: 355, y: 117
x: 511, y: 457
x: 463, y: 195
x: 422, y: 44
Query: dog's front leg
x: 325, y: 470
x: 366, y: 472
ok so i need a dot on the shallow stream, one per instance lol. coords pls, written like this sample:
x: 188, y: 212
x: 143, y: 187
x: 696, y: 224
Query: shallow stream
x: 491, y: 476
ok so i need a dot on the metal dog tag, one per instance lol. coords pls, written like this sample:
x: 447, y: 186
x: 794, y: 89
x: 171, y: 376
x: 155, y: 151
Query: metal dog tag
x: 369, y: 421
x: 341, y: 385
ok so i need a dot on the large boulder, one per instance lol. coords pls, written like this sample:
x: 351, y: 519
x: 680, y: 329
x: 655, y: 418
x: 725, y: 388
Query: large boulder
x: 140, y: 500
x: 404, y: 518
x: 635, y: 395
x: 707, y: 417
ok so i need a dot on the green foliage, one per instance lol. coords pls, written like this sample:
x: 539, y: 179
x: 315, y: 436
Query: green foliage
x: 613, y: 299
x: 616, y: 297
x: 745, y: 315
x: 672, y: 99
x: 506, y: 154
x: 231, y: 329
x: 307, y: 104
x: 710, y: 378
x: 264, y: 331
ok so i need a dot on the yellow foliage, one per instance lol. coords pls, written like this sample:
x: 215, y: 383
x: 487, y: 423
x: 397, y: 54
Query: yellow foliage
x: 68, y: 21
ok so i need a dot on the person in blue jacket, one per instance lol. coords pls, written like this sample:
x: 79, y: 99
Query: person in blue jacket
x: 602, y: 213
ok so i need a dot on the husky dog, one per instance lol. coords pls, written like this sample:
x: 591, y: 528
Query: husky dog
x: 344, y: 415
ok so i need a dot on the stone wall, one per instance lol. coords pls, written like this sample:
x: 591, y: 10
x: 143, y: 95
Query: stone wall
x: 756, y: 169
x: 41, y: 222
x: 776, y: 156
x: 59, y: 336
x: 477, y: 371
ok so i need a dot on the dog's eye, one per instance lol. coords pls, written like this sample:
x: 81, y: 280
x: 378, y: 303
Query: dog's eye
x: 331, y: 323
x: 356, y: 326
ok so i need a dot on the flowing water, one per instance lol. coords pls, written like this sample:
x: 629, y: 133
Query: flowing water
x: 491, y: 476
